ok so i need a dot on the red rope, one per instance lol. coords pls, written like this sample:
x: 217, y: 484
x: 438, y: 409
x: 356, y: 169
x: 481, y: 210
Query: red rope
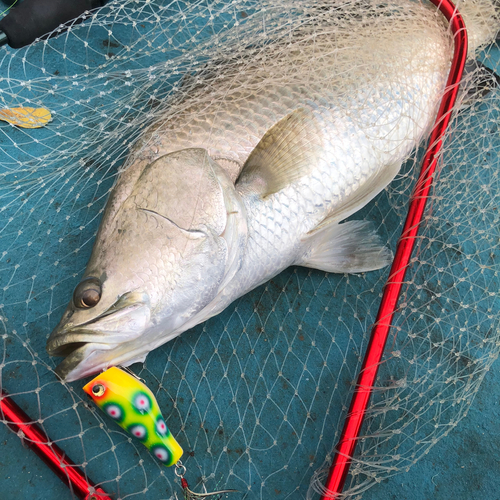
x: 366, y: 378
x: 55, y: 458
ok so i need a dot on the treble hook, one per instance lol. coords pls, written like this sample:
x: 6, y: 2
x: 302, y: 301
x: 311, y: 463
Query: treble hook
x: 180, y: 470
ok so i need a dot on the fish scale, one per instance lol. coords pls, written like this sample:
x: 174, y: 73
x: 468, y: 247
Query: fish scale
x: 252, y: 170
x: 402, y: 125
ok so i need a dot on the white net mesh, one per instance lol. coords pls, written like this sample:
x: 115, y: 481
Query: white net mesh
x: 257, y: 395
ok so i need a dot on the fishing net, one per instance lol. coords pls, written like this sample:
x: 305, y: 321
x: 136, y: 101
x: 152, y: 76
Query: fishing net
x: 256, y: 395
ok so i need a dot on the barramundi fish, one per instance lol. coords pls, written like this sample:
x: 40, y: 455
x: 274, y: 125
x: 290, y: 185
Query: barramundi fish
x: 253, y: 167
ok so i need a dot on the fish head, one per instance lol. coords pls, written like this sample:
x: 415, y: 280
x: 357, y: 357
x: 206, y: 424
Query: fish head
x: 169, y: 241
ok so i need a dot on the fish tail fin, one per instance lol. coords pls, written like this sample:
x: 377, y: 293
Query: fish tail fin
x: 351, y: 247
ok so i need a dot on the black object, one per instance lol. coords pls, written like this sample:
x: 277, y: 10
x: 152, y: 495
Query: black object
x: 32, y: 19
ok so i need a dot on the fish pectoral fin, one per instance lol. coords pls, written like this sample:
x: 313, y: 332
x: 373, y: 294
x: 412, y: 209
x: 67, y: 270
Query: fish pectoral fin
x: 351, y: 247
x: 289, y: 150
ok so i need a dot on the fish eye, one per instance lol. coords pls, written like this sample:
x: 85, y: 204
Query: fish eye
x: 87, y: 293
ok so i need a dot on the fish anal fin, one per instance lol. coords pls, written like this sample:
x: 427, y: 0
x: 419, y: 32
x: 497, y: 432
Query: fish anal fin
x: 289, y: 150
x: 351, y: 247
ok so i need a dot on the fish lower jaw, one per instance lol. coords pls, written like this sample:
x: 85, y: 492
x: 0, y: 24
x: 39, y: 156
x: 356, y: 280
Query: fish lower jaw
x: 78, y: 361
x: 89, y: 358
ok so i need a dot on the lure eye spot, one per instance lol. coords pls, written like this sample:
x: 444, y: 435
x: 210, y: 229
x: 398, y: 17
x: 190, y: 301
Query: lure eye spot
x: 115, y: 411
x: 98, y: 390
x: 87, y: 293
x: 162, y: 453
x: 141, y: 402
x: 161, y: 427
x: 139, y: 431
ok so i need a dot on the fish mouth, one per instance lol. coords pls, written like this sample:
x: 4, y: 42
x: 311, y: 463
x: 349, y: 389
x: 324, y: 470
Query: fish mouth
x: 83, y: 356
x: 77, y: 349
x: 66, y: 349
x: 86, y: 347
x: 73, y: 367
x: 66, y: 344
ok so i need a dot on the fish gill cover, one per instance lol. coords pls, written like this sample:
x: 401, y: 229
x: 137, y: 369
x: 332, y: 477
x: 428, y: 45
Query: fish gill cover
x: 256, y: 395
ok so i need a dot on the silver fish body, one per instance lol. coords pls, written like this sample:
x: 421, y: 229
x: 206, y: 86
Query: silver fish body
x: 252, y: 172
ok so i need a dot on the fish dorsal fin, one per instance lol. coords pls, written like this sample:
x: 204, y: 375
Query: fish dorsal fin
x: 289, y: 150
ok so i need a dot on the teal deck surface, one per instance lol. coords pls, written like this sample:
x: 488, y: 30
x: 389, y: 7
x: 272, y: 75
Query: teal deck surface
x: 281, y: 336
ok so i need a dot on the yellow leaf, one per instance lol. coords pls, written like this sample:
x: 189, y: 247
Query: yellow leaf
x: 26, y: 117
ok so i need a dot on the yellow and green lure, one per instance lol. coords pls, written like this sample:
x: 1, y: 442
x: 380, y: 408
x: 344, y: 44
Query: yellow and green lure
x: 133, y: 406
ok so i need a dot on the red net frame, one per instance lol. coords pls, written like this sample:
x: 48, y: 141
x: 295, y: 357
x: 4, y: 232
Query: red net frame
x: 345, y: 448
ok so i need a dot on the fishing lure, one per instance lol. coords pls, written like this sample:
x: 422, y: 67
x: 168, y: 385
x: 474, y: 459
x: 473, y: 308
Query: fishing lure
x: 133, y: 406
